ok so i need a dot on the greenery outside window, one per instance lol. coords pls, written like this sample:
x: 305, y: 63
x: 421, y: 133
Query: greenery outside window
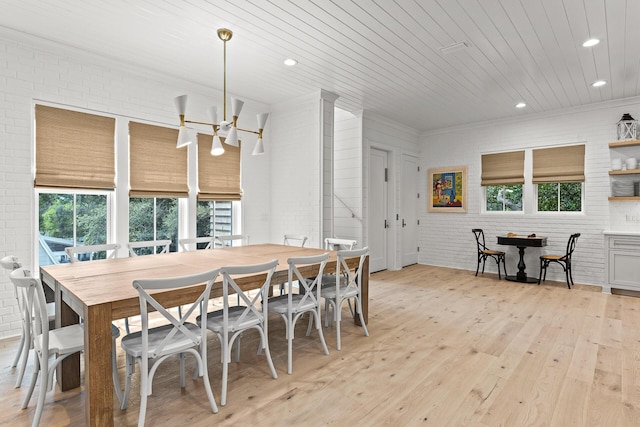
x: 215, y: 218
x: 70, y: 218
x: 153, y: 218
x: 501, y: 198
x: 560, y: 197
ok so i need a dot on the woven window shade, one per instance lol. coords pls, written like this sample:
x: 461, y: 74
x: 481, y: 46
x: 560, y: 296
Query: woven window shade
x: 559, y: 164
x: 503, y: 168
x: 74, y: 150
x: 218, y: 176
x: 156, y: 167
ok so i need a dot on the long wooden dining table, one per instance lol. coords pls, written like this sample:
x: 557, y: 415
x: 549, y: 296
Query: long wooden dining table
x: 101, y: 291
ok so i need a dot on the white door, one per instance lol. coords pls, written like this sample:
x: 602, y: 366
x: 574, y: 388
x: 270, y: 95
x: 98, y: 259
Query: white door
x: 378, y: 221
x: 409, y: 210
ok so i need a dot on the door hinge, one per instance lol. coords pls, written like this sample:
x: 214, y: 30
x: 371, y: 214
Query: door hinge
x: 418, y: 196
x: 386, y: 175
x: 418, y: 222
x: 418, y: 248
x: 418, y: 168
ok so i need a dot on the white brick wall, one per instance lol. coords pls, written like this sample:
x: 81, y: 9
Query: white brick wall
x: 35, y: 70
x: 446, y: 239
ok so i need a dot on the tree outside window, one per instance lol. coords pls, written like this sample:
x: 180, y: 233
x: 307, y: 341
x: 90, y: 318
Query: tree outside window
x: 560, y: 197
x: 503, y: 198
x: 153, y: 218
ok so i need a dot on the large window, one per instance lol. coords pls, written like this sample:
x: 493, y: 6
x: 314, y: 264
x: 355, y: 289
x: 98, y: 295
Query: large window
x: 70, y: 218
x: 559, y: 174
x: 216, y: 218
x: 153, y: 218
x: 560, y: 197
x: 502, y: 179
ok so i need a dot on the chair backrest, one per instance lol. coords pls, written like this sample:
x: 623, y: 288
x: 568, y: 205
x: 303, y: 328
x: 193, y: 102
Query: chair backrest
x: 233, y: 240
x: 353, y: 276
x: 32, y: 303
x: 334, y: 244
x: 179, y: 333
x: 295, y: 240
x: 479, y: 239
x: 10, y: 262
x: 74, y: 251
x: 571, y: 245
x: 255, y: 305
x: 308, y: 288
x: 191, y: 244
x: 149, y: 246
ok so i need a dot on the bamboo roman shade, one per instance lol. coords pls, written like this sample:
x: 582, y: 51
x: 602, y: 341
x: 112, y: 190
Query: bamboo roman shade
x: 503, y: 168
x: 156, y: 167
x: 218, y: 176
x: 74, y: 150
x: 559, y: 164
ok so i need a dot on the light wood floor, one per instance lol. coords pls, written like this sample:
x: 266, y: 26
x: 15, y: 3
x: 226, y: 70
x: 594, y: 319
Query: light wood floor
x: 446, y: 348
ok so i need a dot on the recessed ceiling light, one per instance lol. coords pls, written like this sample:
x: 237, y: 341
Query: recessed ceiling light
x: 591, y: 42
x: 454, y: 47
x: 521, y: 105
x: 599, y: 83
x: 290, y: 62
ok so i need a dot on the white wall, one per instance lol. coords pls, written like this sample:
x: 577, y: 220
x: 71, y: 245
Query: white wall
x: 34, y: 70
x: 445, y: 238
x: 347, y: 203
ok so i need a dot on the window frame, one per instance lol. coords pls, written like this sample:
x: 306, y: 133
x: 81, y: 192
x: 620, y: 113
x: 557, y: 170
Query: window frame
x: 582, y: 200
x: 502, y: 212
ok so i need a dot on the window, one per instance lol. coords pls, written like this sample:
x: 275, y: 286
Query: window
x: 70, y: 218
x: 216, y: 218
x: 560, y: 197
x: 558, y: 173
x: 153, y: 218
x: 502, y: 178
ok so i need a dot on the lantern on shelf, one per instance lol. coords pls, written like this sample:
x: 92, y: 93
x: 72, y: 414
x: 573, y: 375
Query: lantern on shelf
x: 627, y: 127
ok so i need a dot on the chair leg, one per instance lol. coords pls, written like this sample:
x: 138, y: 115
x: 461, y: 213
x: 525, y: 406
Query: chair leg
x: 364, y: 325
x: 19, y: 353
x: 478, y: 266
x: 24, y: 351
x: 34, y: 379
x: 540, y: 274
x: 114, y: 369
x: 498, y: 262
x: 316, y: 315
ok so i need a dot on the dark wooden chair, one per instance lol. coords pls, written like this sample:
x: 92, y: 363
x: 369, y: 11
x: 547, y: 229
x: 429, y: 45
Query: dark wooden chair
x: 563, y: 260
x: 484, y: 253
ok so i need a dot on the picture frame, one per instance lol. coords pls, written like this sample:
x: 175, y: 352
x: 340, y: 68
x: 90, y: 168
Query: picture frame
x: 447, y: 189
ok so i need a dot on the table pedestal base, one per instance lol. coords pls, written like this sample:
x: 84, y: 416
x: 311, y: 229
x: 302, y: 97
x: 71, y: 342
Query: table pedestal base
x: 522, y: 280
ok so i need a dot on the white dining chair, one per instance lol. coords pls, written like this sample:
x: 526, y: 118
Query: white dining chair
x: 231, y: 321
x: 11, y: 262
x: 335, y: 244
x: 151, y: 247
x: 292, y: 306
x: 191, y: 244
x: 233, y: 240
x: 152, y: 346
x: 295, y: 240
x: 343, y: 286
x: 58, y: 343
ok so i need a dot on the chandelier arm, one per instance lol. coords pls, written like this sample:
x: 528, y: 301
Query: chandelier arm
x: 250, y: 131
x: 202, y: 123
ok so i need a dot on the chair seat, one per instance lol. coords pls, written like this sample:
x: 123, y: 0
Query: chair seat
x: 553, y: 257
x: 66, y: 340
x: 215, y: 320
x: 280, y: 304
x: 51, y: 311
x: 132, y: 343
x: 492, y: 252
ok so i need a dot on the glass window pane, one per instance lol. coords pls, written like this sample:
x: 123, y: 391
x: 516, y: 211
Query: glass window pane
x: 141, y: 219
x: 167, y: 221
x: 503, y: 198
x: 55, y: 227
x: 571, y: 196
x: 548, y: 197
x: 214, y: 218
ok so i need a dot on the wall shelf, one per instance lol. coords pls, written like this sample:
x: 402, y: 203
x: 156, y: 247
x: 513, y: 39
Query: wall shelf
x: 624, y: 198
x: 625, y: 143
x: 625, y: 172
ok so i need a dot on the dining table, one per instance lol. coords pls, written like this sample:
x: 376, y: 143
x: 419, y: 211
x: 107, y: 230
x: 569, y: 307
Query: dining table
x: 522, y: 242
x: 101, y: 291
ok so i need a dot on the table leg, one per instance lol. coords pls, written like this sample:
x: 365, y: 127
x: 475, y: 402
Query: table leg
x: 521, y: 276
x: 365, y: 294
x: 68, y: 372
x: 97, y: 366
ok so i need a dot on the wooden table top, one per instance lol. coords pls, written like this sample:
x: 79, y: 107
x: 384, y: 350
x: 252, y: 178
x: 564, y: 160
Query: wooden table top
x: 536, y: 242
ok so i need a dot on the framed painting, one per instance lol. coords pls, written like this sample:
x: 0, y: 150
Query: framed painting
x: 447, y: 189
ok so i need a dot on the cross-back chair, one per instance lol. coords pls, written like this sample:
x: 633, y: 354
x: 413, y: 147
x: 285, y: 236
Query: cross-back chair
x: 295, y: 240
x: 76, y: 253
x: 149, y: 247
x: 564, y: 261
x: 233, y: 240
x: 484, y: 252
x: 292, y: 306
x: 191, y: 244
x: 230, y: 322
x: 149, y: 347
x: 335, y: 244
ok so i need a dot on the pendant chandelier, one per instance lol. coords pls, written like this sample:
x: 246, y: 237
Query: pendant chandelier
x: 229, y: 128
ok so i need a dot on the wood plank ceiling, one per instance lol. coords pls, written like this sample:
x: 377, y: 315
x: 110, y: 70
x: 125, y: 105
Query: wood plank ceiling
x: 378, y: 55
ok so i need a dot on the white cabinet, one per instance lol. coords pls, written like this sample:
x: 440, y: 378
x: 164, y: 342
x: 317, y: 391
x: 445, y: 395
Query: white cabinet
x: 622, y: 261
